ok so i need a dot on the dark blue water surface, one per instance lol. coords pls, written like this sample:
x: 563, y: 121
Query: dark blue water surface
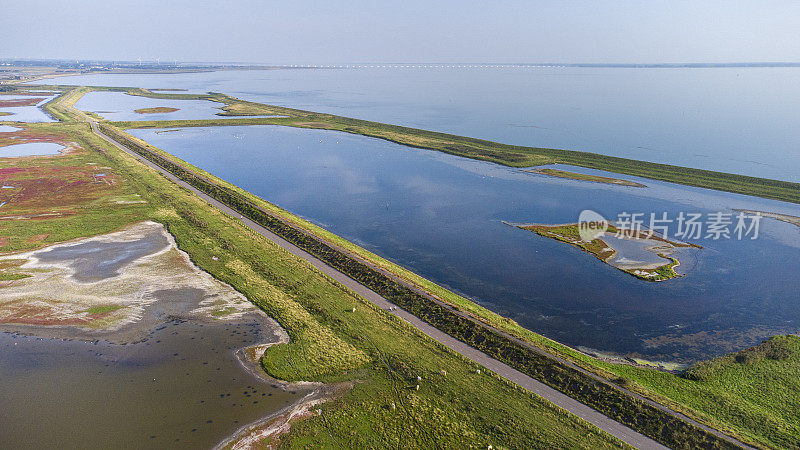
x: 441, y: 216
x: 741, y: 120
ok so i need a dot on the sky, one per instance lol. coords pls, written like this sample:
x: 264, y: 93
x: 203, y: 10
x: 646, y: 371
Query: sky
x: 378, y: 31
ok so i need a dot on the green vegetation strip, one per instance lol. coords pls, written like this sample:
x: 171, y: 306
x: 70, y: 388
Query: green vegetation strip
x: 155, y: 110
x: 601, y: 396
x: 753, y: 394
x: 585, y: 177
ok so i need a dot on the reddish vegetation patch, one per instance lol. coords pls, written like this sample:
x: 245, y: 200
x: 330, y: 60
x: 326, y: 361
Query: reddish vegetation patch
x: 20, y: 102
x: 26, y: 314
x: 37, y: 238
x: 53, y: 189
x: 23, y: 313
x: 25, y: 136
x: 28, y: 93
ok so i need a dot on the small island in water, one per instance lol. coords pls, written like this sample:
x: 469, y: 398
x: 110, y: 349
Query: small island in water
x: 156, y: 110
x: 641, y: 253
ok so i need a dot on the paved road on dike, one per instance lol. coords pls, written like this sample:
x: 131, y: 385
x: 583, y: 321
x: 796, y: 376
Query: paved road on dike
x: 575, y: 407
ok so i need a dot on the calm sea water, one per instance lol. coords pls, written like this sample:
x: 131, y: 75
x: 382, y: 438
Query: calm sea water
x: 441, y: 216
x: 741, y: 120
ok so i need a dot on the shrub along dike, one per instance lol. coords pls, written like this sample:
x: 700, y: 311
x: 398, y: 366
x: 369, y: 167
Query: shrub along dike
x: 624, y: 408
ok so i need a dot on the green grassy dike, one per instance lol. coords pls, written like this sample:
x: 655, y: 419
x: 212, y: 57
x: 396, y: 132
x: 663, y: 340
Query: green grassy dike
x: 329, y: 341
x: 599, y: 395
x: 753, y: 393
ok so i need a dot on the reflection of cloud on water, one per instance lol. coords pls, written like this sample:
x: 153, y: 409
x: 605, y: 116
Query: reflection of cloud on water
x: 420, y: 185
x: 351, y: 181
x: 432, y: 197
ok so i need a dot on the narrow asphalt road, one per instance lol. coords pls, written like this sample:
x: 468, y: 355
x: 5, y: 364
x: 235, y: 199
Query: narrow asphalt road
x: 575, y: 407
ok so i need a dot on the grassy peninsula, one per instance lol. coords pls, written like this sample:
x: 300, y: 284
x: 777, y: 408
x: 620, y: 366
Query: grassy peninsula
x: 509, y: 155
x: 753, y: 393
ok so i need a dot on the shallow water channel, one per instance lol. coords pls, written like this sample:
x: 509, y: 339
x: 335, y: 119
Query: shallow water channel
x: 180, y: 388
x: 32, y: 113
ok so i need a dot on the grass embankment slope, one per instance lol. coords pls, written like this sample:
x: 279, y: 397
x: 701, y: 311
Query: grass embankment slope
x: 754, y: 393
x: 329, y: 341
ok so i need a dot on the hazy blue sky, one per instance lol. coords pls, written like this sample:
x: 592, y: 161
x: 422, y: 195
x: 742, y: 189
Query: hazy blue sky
x: 342, y: 31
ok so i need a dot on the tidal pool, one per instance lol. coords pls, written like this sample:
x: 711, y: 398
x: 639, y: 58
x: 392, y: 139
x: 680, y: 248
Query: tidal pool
x: 442, y: 217
x: 89, y: 261
x: 630, y: 251
x: 8, y: 129
x: 31, y: 149
x: 180, y: 388
x: 26, y: 113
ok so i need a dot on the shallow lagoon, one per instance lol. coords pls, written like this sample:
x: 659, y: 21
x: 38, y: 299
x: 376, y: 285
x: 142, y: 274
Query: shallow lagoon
x: 181, y: 388
x: 441, y: 216
x: 30, y: 149
x: 26, y: 113
x: 151, y: 364
x: 121, y: 106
